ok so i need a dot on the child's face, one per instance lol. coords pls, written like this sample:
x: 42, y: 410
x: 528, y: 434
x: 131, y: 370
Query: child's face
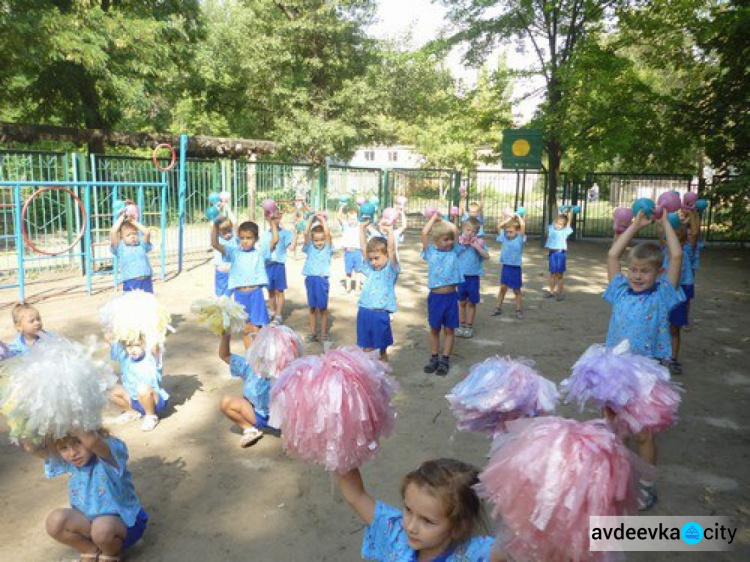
x: 474, y: 211
x: 136, y: 350
x: 444, y: 242
x: 468, y: 231
x: 511, y: 232
x: 377, y: 259
x: 129, y: 235
x: 559, y: 224
x: 72, y: 450
x: 319, y: 240
x: 352, y: 219
x: 29, y: 323
x: 247, y: 239
x: 642, y: 275
x: 426, y: 522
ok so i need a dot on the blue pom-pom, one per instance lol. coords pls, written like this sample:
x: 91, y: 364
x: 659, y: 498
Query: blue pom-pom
x: 213, y: 198
x: 643, y: 204
x: 674, y: 220
x: 212, y: 213
x: 576, y: 209
x: 366, y: 210
x: 375, y: 201
x: 343, y: 198
x: 701, y: 205
x: 520, y: 211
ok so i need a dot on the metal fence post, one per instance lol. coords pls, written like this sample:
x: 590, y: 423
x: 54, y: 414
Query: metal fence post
x: 181, y: 205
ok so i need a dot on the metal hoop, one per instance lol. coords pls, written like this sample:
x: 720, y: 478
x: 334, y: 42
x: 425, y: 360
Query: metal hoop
x: 173, y: 159
x: 25, y: 208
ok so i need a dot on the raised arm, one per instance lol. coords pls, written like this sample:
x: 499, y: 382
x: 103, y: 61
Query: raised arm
x: 215, y: 240
x: 94, y: 443
x: 353, y: 490
x: 114, y: 233
x: 479, y: 246
x: 694, y: 228
x: 481, y: 204
x: 363, y: 236
x: 622, y: 241
x: 522, y: 223
x: 274, y: 233
x: 308, y: 229
x: 391, y: 238
x: 230, y: 215
x: 225, y: 353
x: 143, y: 230
x: 674, y: 249
x: 327, y: 231
x: 427, y: 228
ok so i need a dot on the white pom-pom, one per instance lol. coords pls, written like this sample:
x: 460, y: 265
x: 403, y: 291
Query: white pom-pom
x: 136, y: 314
x: 220, y: 314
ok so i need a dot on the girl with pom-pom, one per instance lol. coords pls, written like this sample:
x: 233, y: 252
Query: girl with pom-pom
x: 105, y: 516
x: 557, y: 244
x: 131, y: 251
x: 472, y: 252
x: 473, y: 210
x: 641, y: 302
x: 378, y: 299
x: 221, y: 264
x: 317, y: 270
x: 251, y: 410
x: 350, y: 242
x: 443, y: 277
x: 513, y: 238
x: 141, y: 393
x: 247, y: 273
x: 440, y: 516
x: 28, y: 323
x: 276, y: 267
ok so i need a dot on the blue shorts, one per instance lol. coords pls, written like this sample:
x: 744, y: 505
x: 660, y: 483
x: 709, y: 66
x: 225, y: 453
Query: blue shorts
x: 374, y: 329
x: 276, y: 272
x: 689, y: 291
x: 317, y: 291
x: 511, y: 276
x: 678, y: 316
x: 254, y: 304
x: 160, y: 405
x: 261, y: 420
x: 469, y: 289
x: 557, y: 261
x: 352, y: 261
x: 135, y: 532
x: 442, y: 310
x: 138, y: 284
x: 221, y: 281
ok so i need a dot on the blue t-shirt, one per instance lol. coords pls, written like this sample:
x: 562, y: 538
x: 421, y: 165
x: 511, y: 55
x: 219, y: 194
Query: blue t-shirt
x: 470, y: 261
x: 256, y: 389
x: 442, y: 266
x: 379, y: 290
x: 248, y: 266
x: 386, y: 540
x: 318, y: 261
x: 19, y: 345
x: 279, y: 252
x: 558, y: 239
x: 221, y: 259
x: 133, y: 260
x: 100, y: 488
x: 642, y: 318
x: 512, y: 250
x: 687, y: 277
x: 138, y: 371
x: 480, y: 218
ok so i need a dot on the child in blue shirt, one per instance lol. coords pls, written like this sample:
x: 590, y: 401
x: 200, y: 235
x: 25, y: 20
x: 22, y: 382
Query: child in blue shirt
x: 440, y: 516
x: 141, y: 392
x: 247, y: 274
x: 378, y: 298
x: 513, y: 238
x: 473, y: 210
x: 557, y: 244
x: 350, y: 242
x: 105, y: 516
x: 472, y: 253
x: 132, y: 253
x: 443, y: 277
x: 317, y: 270
x: 221, y: 263
x: 641, y: 302
x: 28, y: 323
x: 251, y: 410
x: 276, y: 268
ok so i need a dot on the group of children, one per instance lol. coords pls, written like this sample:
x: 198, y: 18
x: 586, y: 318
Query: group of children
x: 441, y: 512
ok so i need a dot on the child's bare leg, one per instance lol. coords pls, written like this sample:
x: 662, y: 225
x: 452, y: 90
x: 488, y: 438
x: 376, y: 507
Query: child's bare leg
x: 552, y: 282
x: 108, y: 532
x: 449, y: 337
x: 519, y: 300
x: 280, y: 302
x: 471, y: 313
x: 384, y: 355
x: 434, y: 341
x: 312, y: 318
x: 675, y: 333
x: 239, y: 410
x: 646, y: 444
x: 71, y: 527
x: 246, y: 337
x: 120, y: 397
x: 272, y: 302
x: 462, y: 313
x: 148, y: 399
x: 501, y: 295
x: 324, y: 321
x: 560, y: 281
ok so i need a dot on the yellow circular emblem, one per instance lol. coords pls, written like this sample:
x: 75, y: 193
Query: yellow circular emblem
x: 520, y: 147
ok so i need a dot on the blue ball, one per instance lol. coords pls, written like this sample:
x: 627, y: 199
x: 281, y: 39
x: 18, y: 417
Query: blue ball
x: 520, y: 211
x: 562, y: 208
x: 213, y: 198
x: 343, y: 198
x: 701, y: 205
x: 576, y: 209
x: 643, y: 204
x: 674, y: 220
x: 366, y: 210
x: 375, y: 201
x: 212, y: 213
x: 117, y: 206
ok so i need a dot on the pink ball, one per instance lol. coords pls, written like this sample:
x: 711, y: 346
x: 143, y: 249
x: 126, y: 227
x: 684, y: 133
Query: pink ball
x: 462, y: 190
x: 268, y: 206
x: 658, y: 211
x: 454, y: 211
x: 670, y: 201
x: 360, y: 200
x: 430, y: 210
x: 225, y: 196
x: 689, y: 199
x: 623, y: 216
x: 132, y: 211
x: 389, y: 214
x: 507, y: 212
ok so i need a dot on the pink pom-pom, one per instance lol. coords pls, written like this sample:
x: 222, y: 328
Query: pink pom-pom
x: 636, y: 388
x: 334, y: 409
x: 273, y: 349
x: 454, y: 211
x: 268, y: 206
x: 322, y: 213
x: 499, y: 390
x: 225, y: 196
x: 131, y: 210
x: 390, y: 214
x: 361, y: 200
x: 430, y: 210
x: 623, y: 216
x: 669, y: 201
x: 508, y: 212
x: 547, y: 477
x: 463, y: 191
x: 401, y: 200
x: 688, y: 200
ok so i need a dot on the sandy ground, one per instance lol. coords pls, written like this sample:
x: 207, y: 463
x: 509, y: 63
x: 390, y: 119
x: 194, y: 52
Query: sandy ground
x: 210, y: 500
